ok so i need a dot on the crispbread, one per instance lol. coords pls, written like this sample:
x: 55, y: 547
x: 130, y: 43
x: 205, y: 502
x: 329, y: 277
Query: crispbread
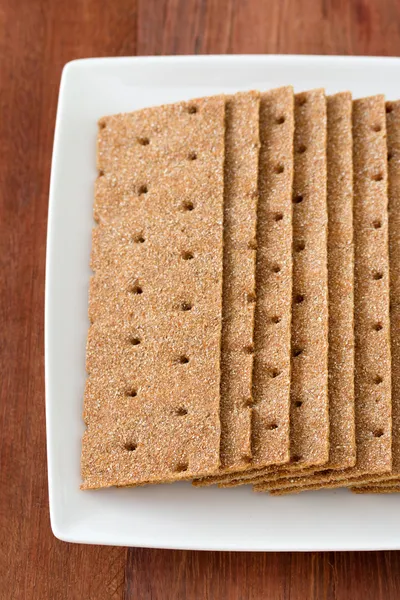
x: 271, y: 384
x: 240, y: 218
x: 309, y: 383
x: 153, y: 356
x: 271, y: 372
x: 372, y: 350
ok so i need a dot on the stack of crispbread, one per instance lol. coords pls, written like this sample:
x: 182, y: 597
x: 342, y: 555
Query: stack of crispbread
x: 245, y: 302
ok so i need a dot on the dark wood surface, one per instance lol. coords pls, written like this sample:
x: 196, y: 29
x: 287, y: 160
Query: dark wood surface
x: 37, y: 37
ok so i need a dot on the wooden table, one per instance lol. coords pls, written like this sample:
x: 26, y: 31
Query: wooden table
x: 37, y: 37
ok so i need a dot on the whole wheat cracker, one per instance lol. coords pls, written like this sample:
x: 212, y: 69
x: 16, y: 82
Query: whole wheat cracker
x: 238, y: 296
x: 153, y: 357
x: 372, y: 324
x: 269, y: 400
x: 309, y: 444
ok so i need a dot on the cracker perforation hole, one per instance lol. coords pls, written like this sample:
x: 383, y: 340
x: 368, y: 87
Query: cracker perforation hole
x: 299, y: 245
x: 389, y: 107
x: 102, y: 124
x: 280, y: 120
x: 187, y: 255
x: 377, y: 275
x: 378, y: 433
x: 378, y: 326
x: 297, y: 351
x: 390, y: 155
x: 378, y: 379
x: 276, y: 268
x: 272, y: 426
x: 182, y: 467
x: 249, y: 349
x: 136, y: 289
x: 132, y: 393
x: 192, y: 156
x: 143, y: 189
x: 192, y: 109
x: 279, y: 169
x: 276, y: 319
x: 377, y: 127
x: 298, y: 403
x: 139, y: 238
x: 299, y: 298
x: 298, y: 199
x: 296, y: 458
x: 130, y: 446
x: 186, y: 306
x: 278, y: 217
x: 143, y: 141
x: 301, y: 149
x: 301, y: 101
x: 275, y: 373
x: 181, y: 411
x: 377, y: 177
x: 377, y: 224
x: 101, y: 173
x: 187, y: 206
x: 251, y: 297
x: 183, y: 359
x: 135, y: 341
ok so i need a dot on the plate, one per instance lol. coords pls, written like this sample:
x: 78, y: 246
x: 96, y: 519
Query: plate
x: 178, y: 515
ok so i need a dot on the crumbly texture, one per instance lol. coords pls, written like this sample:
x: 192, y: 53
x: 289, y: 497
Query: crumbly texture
x: 153, y: 354
x: 239, y: 289
x: 371, y: 304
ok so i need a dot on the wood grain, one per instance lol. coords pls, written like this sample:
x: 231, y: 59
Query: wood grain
x: 37, y: 37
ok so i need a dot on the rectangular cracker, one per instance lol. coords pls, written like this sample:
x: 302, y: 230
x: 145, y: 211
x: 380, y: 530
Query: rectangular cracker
x: 238, y: 297
x: 153, y: 356
x: 309, y: 444
x: 372, y: 339
x: 269, y: 400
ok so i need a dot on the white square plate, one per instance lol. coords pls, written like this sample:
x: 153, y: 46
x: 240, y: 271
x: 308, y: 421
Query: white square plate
x: 174, y: 516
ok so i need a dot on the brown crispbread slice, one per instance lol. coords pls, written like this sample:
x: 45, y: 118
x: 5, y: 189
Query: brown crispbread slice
x: 372, y: 340
x: 342, y: 448
x: 153, y: 356
x: 271, y: 372
x: 240, y: 214
x: 309, y: 381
